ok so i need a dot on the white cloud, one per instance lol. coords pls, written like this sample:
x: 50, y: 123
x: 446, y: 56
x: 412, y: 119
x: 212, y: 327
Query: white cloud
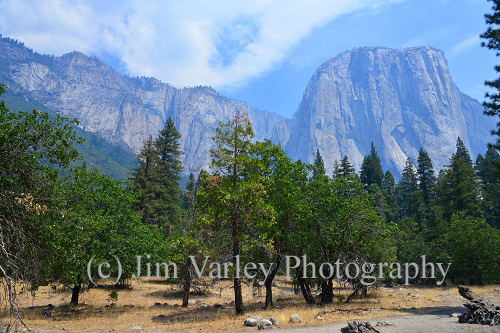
x: 465, y: 45
x: 221, y: 43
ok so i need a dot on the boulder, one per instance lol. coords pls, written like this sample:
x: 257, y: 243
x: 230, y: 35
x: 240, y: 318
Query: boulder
x: 274, y: 321
x: 265, y: 324
x: 251, y: 322
x: 295, y: 318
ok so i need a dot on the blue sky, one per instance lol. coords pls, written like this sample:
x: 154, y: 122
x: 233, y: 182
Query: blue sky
x: 262, y: 52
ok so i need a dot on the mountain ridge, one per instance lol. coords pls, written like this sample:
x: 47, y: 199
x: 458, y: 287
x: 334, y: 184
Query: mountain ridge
x: 379, y: 94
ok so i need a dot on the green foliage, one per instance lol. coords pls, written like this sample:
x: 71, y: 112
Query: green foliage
x: 157, y: 178
x: 342, y: 223
x: 28, y: 140
x: 346, y: 169
x: 486, y: 168
x: 111, y: 159
x: 492, y: 37
x: 426, y: 177
x: 95, y: 218
x: 318, y: 166
x: 473, y: 247
x: 371, y: 169
x: 458, y: 186
x: 112, y: 297
x: 411, y: 201
x: 232, y: 200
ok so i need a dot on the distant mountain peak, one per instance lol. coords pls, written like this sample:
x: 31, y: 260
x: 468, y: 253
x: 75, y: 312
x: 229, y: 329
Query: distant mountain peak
x: 401, y: 99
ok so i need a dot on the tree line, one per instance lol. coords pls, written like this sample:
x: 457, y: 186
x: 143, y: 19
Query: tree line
x: 253, y: 203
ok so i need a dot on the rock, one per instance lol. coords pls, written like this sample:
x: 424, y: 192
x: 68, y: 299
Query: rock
x: 412, y: 88
x: 416, y: 105
x: 250, y: 322
x: 265, y: 324
x: 218, y: 306
x: 274, y: 321
x: 359, y: 327
x: 48, y: 311
x: 295, y: 318
x: 384, y: 323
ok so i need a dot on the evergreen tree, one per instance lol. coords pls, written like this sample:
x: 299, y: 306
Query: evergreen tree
x: 458, y: 186
x: 232, y: 200
x: 389, y: 192
x: 371, y: 169
x: 169, y: 169
x: 486, y: 167
x: 318, y: 166
x: 492, y: 37
x: 336, y: 170
x: 346, y: 169
x: 410, y: 196
x: 143, y: 180
x: 157, y: 178
x: 189, y: 193
x: 426, y: 177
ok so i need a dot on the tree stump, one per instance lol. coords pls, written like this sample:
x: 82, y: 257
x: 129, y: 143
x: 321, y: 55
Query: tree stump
x: 358, y: 327
x: 481, y: 311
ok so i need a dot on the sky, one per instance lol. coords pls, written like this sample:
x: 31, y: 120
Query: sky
x: 262, y: 52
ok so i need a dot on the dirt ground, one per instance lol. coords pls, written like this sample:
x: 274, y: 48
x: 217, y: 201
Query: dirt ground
x: 154, y: 306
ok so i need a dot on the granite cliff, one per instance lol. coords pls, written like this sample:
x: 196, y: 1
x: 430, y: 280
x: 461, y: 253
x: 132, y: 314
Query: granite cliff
x: 401, y: 99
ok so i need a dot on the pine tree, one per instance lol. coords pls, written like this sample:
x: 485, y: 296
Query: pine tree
x: 143, y: 179
x: 459, y: 188
x: 371, y: 169
x: 336, y: 170
x: 389, y: 191
x: 318, y: 166
x: 232, y: 200
x: 410, y: 196
x: 486, y: 167
x: 157, y: 178
x: 426, y: 177
x: 169, y: 169
x: 492, y: 37
x: 346, y: 169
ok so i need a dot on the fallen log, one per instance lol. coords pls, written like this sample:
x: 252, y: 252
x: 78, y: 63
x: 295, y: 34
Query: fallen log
x: 481, y: 311
x: 358, y: 327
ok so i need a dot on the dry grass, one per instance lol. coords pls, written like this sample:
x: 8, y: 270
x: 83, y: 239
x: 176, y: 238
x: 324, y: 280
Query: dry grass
x: 135, y: 306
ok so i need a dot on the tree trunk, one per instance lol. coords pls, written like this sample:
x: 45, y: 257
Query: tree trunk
x: 238, y: 298
x: 269, y: 283
x: 327, y: 291
x: 187, y: 284
x: 304, y: 287
x: 75, y: 293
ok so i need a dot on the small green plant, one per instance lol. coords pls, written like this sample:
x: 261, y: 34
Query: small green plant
x: 113, y: 297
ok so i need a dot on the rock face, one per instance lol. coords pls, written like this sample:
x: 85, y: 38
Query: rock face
x: 127, y: 110
x: 401, y: 99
